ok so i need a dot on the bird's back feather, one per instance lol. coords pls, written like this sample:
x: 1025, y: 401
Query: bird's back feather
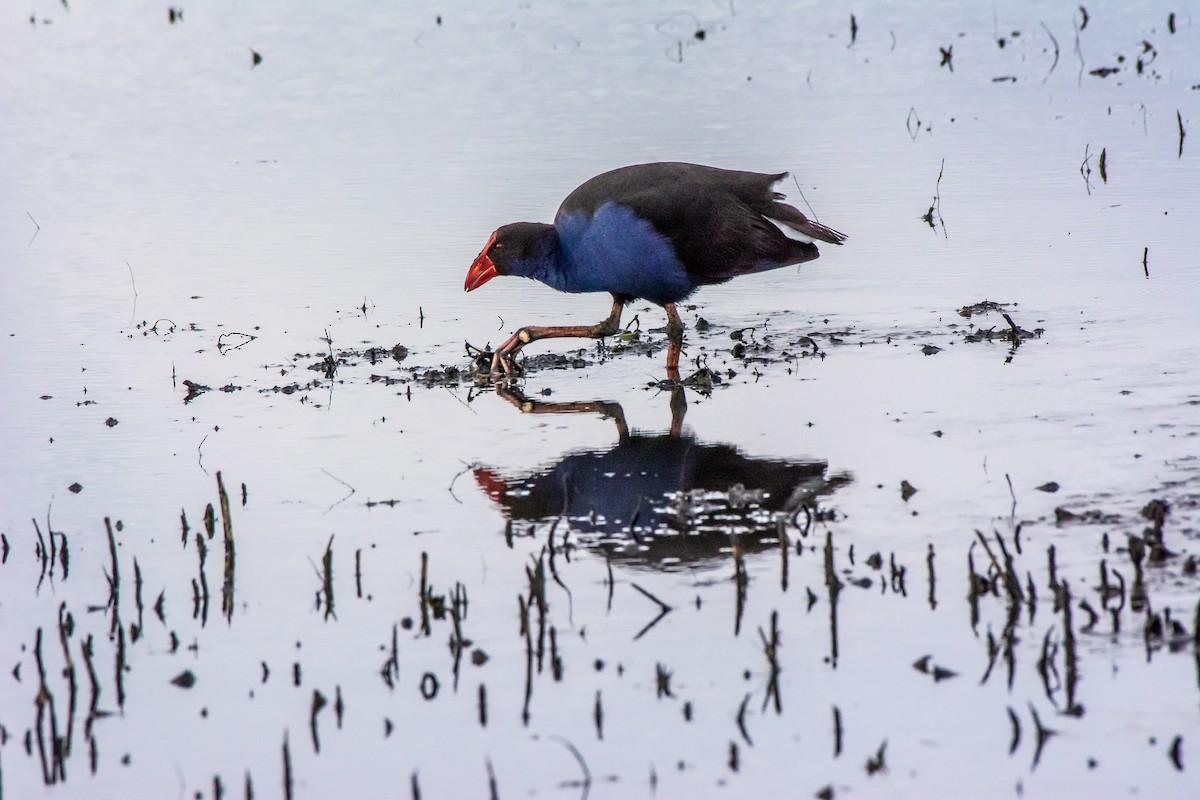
x: 718, y: 221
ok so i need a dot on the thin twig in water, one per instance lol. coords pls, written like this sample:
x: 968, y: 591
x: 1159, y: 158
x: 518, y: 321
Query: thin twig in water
x: 343, y: 483
x: 587, y: 773
x: 37, y: 228
x: 805, y: 199
x: 936, y: 206
x: 133, y: 313
x: 1013, y: 513
x: 666, y: 609
x: 1182, y: 132
x: 1079, y: 49
x: 466, y: 468
x: 224, y: 348
x: 1145, y: 258
x: 1055, y: 43
x: 459, y: 399
x: 913, y: 123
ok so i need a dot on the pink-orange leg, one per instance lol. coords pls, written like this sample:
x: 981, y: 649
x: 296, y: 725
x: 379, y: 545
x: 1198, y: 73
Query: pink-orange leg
x: 502, y: 360
x: 674, y: 341
x: 605, y: 409
x: 678, y: 409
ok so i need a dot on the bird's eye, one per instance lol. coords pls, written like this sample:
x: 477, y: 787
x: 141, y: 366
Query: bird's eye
x: 498, y: 246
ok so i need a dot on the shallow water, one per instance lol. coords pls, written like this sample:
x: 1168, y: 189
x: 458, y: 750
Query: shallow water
x: 164, y: 201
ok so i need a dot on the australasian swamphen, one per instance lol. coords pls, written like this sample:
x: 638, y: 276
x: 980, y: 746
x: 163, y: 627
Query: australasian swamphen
x: 652, y: 231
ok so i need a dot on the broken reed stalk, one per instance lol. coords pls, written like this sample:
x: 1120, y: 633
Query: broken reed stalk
x: 1016, y: 332
x: 201, y: 604
x: 64, y: 558
x: 50, y: 537
x: 609, y: 580
x: 771, y: 650
x: 556, y: 667
x: 1043, y: 734
x: 977, y: 585
x: 119, y: 667
x: 52, y: 766
x: 1070, y: 657
x: 390, y: 672
x: 598, y: 717
x: 458, y: 610
x: 114, y: 579
x: 1085, y: 169
x: 227, y: 526
x: 1012, y: 584
x: 528, y: 634
x: 136, y: 633
x: 287, y: 768
x: 358, y: 572
x: 837, y: 732
x: 86, y: 650
x: 785, y: 546
x: 1015, y: 740
x: 896, y: 576
x: 834, y: 586
x: 1196, y: 640
x: 493, y: 790
x: 740, y: 580
x: 741, y: 719
x: 537, y: 593
x: 425, y: 627
x: 554, y: 569
x: 327, y: 578
x: 932, y: 577
x: 42, y: 553
x: 318, y: 703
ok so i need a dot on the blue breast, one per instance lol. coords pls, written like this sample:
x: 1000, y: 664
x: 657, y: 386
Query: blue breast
x: 617, y: 251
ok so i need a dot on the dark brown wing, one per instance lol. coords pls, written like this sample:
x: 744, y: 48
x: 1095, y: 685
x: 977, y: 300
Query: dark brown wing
x: 717, y: 220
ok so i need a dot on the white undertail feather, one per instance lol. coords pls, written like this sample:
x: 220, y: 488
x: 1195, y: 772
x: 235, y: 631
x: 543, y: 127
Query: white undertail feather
x: 808, y: 231
x: 790, y: 232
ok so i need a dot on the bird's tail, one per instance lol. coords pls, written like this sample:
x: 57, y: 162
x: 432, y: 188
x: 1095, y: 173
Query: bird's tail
x: 783, y: 214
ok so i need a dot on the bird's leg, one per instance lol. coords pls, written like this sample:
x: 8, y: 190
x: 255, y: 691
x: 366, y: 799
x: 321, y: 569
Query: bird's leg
x: 678, y: 409
x: 606, y: 409
x: 674, y: 341
x: 502, y: 360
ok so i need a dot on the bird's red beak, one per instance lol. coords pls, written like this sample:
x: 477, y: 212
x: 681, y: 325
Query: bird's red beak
x: 482, y: 269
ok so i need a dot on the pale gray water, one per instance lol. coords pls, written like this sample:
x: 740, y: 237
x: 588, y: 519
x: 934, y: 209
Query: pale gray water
x: 149, y: 173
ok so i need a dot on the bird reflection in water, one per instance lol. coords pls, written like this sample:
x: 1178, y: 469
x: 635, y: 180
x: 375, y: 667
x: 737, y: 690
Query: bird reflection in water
x: 664, y: 501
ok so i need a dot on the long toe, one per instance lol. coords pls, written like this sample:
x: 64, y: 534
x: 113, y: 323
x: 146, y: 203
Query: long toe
x: 503, y: 366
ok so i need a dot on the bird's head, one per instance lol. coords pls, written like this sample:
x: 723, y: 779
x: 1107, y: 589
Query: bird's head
x: 522, y: 248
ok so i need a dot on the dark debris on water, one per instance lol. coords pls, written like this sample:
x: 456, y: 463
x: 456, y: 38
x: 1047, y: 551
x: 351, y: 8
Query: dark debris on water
x: 737, y: 351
